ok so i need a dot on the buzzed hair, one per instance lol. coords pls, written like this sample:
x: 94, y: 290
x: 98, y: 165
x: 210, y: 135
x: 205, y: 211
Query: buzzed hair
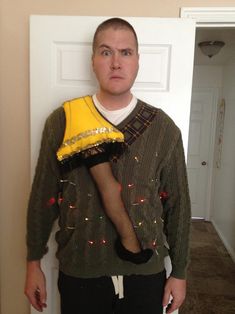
x: 114, y: 23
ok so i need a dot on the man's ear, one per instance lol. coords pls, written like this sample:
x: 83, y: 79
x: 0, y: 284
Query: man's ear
x: 138, y: 55
x: 92, y: 61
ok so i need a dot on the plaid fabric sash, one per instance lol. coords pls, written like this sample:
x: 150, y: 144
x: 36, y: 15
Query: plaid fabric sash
x: 139, y: 123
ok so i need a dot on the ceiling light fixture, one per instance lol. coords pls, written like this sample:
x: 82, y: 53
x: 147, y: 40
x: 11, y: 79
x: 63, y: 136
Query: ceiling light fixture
x: 211, y: 48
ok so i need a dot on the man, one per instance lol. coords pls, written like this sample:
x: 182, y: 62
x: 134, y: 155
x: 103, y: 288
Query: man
x: 92, y: 277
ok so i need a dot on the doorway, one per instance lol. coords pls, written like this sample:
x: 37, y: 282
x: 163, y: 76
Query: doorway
x: 221, y: 196
x: 208, y: 93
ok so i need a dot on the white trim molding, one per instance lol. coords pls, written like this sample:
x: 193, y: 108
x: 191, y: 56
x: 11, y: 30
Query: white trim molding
x: 224, y: 240
x: 210, y: 16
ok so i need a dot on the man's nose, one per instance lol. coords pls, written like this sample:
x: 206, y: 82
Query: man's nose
x: 115, y: 64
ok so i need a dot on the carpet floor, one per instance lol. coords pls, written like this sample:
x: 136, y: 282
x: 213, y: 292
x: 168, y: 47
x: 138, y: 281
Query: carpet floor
x: 211, y: 275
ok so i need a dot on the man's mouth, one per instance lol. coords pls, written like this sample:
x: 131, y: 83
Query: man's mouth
x: 116, y: 77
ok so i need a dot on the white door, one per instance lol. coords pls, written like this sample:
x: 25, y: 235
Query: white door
x: 200, y: 149
x: 60, y: 53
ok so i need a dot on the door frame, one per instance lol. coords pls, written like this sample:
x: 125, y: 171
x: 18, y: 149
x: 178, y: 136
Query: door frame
x: 210, y: 17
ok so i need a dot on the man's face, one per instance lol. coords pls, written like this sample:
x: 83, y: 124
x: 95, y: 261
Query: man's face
x: 115, y: 61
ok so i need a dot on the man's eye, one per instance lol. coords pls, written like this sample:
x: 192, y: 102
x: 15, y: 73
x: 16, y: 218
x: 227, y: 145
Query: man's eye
x: 106, y: 53
x: 126, y: 52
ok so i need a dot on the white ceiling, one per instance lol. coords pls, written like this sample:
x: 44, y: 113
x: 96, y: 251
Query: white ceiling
x: 227, y: 53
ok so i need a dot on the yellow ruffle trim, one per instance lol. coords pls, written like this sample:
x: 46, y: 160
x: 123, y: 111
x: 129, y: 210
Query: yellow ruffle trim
x: 85, y: 128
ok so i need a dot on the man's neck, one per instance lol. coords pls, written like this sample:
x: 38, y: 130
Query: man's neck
x: 114, y: 102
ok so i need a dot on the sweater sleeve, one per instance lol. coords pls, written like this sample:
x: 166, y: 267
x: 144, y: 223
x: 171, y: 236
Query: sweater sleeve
x: 43, y: 206
x: 177, y: 209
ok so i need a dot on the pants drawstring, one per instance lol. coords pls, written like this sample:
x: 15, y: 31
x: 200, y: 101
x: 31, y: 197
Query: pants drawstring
x: 118, y: 286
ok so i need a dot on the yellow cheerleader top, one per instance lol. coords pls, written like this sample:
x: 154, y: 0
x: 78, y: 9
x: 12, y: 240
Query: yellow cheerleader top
x: 85, y: 128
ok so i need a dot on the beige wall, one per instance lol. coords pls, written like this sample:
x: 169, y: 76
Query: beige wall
x: 224, y: 199
x: 14, y: 118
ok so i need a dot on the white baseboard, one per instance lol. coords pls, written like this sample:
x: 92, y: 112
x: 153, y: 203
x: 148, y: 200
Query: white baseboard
x: 225, y: 242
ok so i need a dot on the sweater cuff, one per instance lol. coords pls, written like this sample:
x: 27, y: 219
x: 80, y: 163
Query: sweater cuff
x: 35, y: 253
x: 179, y: 273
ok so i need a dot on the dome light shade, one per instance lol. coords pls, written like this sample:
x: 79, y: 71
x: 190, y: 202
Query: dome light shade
x: 211, y: 48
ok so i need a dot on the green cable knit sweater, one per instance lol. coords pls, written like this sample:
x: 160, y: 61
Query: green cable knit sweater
x: 154, y: 189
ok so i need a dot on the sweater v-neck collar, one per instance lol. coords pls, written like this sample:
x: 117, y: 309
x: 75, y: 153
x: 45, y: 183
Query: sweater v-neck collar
x: 136, y: 122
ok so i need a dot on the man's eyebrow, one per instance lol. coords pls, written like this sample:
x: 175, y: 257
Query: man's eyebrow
x: 121, y: 49
x: 104, y: 46
x: 126, y: 49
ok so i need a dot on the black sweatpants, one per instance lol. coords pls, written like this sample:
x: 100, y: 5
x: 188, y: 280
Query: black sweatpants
x: 143, y: 294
